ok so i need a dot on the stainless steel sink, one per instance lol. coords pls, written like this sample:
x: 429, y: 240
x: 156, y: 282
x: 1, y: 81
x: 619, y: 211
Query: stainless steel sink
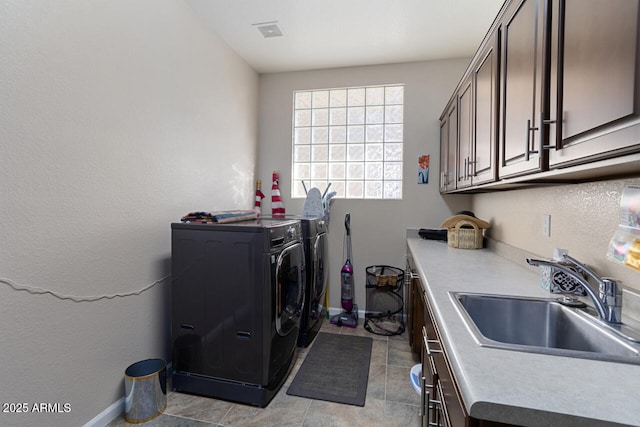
x: 541, y: 326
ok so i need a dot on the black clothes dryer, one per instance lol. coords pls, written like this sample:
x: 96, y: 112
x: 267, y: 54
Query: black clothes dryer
x: 314, y: 232
x: 315, y: 241
x: 237, y: 299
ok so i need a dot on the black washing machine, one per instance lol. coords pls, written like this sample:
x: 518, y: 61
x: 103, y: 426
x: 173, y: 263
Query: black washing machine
x: 315, y: 241
x: 237, y: 298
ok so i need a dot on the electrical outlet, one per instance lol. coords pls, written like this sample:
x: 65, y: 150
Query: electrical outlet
x: 546, y: 225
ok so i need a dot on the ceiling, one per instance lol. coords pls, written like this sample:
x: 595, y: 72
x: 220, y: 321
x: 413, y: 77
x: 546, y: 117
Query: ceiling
x: 321, y: 34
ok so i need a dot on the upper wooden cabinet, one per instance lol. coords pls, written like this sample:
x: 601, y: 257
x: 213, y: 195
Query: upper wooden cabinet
x: 448, y: 147
x: 594, y: 80
x: 465, y: 135
x: 485, y: 113
x: 444, y: 152
x: 469, y: 125
x: 521, y: 32
x: 552, y: 95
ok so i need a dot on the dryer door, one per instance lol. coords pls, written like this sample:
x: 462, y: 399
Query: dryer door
x: 290, y: 284
x: 320, y: 276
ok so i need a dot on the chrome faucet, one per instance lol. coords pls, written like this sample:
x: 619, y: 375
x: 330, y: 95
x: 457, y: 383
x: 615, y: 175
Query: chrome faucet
x: 608, y: 302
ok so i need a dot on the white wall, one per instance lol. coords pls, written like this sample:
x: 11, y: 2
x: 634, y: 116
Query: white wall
x: 584, y: 217
x: 378, y: 227
x: 116, y: 118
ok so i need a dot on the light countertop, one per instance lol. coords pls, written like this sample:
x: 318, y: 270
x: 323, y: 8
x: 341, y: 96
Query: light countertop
x: 516, y: 387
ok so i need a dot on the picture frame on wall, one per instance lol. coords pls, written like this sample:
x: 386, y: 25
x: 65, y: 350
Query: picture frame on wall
x: 423, y: 169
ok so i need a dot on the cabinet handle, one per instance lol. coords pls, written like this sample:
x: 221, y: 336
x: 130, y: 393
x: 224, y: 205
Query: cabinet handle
x: 467, y: 166
x: 425, y: 404
x: 528, y: 150
x: 412, y: 275
x: 408, y: 278
x: 437, y: 422
x: 427, y: 410
x: 423, y: 397
x: 425, y: 385
x: 466, y: 169
x: 429, y: 349
x: 472, y: 171
x: 544, y: 121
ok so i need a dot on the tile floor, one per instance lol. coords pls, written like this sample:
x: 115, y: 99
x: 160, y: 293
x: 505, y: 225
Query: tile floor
x: 390, y: 399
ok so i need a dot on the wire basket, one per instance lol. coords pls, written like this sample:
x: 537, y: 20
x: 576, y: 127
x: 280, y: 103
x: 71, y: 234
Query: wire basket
x: 384, y: 277
x: 384, y: 300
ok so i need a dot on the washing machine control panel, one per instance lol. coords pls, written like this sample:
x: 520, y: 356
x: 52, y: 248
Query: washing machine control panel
x: 286, y: 233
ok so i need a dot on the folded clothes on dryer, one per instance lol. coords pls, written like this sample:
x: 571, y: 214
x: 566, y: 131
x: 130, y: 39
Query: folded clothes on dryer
x: 220, y: 216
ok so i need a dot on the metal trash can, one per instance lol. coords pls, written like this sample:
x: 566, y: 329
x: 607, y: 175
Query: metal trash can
x: 145, y: 386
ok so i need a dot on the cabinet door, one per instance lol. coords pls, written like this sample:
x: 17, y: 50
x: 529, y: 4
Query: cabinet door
x: 429, y: 380
x: 444, y: 153
x: 485, y: 85
x: 450, y: 410
x: 521, y: 33
x: 415, y: 315
x: 410, y: 301
x: 449, y: 147
x: 465, y: 135
x: 594, y: 80
x: 452, y: 144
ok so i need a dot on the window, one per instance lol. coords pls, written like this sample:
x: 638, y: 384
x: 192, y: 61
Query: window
x: 351, y: 138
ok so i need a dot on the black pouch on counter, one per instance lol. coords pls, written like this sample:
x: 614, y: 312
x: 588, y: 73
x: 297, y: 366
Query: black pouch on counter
x: 429, y: 234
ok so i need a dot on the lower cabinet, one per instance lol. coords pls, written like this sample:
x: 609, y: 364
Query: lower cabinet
x: 441, y: 400
x: 415, y: 307
x: 428, y: 384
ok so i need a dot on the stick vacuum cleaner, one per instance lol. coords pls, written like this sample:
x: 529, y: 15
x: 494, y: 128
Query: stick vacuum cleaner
x: 349, y: 315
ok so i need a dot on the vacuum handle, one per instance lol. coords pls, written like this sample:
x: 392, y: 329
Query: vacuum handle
x: 347, y: 223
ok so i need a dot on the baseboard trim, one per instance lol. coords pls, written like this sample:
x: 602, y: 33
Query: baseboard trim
x: 361, y: 313
x: 108, y: 415
x: 333, y: 311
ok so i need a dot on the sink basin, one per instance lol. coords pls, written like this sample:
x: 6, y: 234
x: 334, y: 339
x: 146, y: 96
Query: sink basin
x: 541, y: 325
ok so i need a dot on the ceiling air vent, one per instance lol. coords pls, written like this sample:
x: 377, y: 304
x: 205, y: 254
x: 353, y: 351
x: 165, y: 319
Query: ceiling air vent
x: 269, y: 29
